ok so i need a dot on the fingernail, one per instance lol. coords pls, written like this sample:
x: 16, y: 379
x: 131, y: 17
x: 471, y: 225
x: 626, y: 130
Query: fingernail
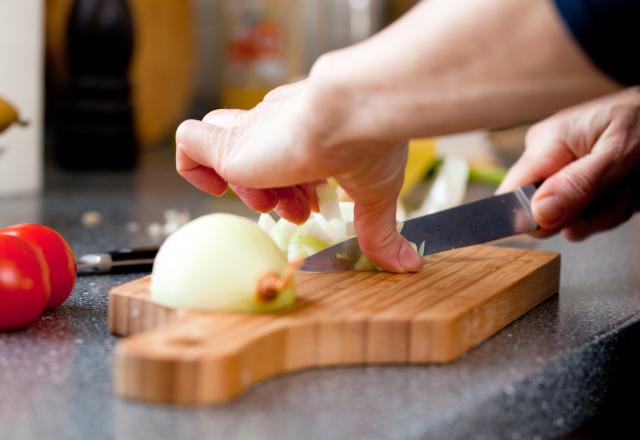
x: 549, y: 209
x: 409, y: 259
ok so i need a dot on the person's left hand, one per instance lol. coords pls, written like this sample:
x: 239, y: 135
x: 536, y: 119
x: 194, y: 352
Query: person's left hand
x: 273, y: 154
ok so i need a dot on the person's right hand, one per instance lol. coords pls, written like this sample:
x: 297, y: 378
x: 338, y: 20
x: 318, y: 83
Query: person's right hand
x: 589, y: 157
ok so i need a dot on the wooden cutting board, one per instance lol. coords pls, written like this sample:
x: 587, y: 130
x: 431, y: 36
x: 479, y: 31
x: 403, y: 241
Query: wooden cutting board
x: 456, y: 301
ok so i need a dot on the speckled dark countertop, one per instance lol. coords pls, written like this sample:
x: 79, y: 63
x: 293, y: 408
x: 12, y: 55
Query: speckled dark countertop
x: 541, y: 377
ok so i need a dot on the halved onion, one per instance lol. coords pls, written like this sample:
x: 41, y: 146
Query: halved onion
x: 222, y: 262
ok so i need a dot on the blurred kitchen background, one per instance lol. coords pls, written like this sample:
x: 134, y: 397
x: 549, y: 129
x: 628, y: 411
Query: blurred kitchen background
x: 187, y: 57
x: 96, y: 87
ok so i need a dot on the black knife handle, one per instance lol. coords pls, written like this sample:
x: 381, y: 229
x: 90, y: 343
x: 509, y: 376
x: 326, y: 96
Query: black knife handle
x: 139, y: 253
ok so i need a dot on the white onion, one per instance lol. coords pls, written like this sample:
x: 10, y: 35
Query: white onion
x: 266, y: 223
x: 333, y: 224
x: 328, y: 202
x: 449, y: 187
x: 282, y: 233
x: 347, y: 211
x: 222, y: 262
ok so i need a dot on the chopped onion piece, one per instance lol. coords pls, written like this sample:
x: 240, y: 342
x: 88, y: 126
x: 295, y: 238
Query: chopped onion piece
x: 338, y: 230
x: 350, y: 228
x: 313, y: 228
x: 334, y: 224
x: 364, y: 264
x: 266, y: 223
x: 421, y: 249
x: 322, y: 223
x: 310, y: 242
x: 328, y: 202
x: 282, y: 233
x: 346, y: 211
x: 295, y: 251
x: 449, y: 187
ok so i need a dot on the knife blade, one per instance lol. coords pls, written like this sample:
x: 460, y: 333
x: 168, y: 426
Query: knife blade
x: 477, y: 222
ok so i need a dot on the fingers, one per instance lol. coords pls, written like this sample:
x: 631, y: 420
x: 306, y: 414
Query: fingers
x: 199, y: 142
x: 203, y: 178
x: 224, y: 118
x: 197, y: 157
x: 376, y: 194
x: 545, y: 154
x: 261, y: 200
x: 613, y: 208
x: 292, y: 204
x: 283, y: 91
x: 564, y: 196
x: 309, y: 190
x: 379, y: 239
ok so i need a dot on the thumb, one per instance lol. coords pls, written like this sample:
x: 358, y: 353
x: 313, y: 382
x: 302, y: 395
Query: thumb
x: 376, y: 196
x: 545, y: 153
x: 566, y: 194
x: 375, y: 225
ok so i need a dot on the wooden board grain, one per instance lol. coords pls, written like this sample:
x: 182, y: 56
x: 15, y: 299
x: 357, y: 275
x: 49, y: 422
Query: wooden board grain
x: 456, y: 301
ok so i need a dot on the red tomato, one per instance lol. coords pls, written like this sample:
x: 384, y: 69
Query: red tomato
x: 24, y: 283
x: 57, y: 254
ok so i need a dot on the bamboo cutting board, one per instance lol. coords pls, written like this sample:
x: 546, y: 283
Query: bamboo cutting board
x: 456, y: 301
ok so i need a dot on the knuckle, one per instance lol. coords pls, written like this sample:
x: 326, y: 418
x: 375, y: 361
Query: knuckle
x: 534, y: 132
x: 182, y: 131
x: 210, y: 115
x: 541, y: 134
x: 578, y: 184
x: 221, y: 145
x: 323, y: 65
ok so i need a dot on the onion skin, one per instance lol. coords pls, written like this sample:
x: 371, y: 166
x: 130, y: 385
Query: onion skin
x: 219, y: 262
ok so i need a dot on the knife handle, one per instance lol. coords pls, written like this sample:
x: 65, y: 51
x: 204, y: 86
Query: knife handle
x: 133, y: 254
x: 118, y: 261
x: 132, y: 260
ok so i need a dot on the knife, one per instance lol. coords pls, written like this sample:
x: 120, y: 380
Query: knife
x: 478, y: 222
x: 465, y: 225
x: 119, y: 261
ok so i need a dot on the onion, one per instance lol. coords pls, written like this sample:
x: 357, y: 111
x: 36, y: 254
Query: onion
x: 334, y: 224
x: 282, y: 233
x: 449, y: 187
x: 222, y: 262
x: 328, y: 202
x: 266, y: 223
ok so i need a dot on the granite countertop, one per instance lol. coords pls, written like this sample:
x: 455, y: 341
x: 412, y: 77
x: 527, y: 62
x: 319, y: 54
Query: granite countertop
x: 541, y: 377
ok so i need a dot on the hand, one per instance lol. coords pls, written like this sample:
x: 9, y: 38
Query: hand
x: 421, y: 76
x: 273, y: 154
x: 590, y: 158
